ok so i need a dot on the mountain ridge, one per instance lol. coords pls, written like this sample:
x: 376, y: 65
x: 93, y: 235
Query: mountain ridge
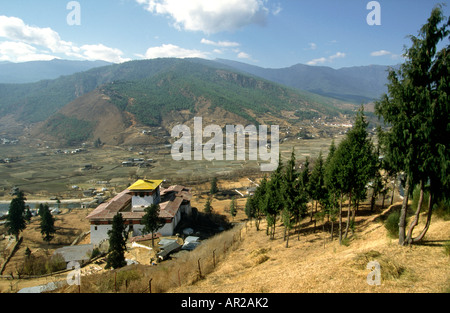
x: 358, y: 84
x: 175, y: 96
x: 148, y: 91
x: 34, y: 71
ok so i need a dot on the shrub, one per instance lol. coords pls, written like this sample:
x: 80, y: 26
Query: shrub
x: 443, y: 210
x: 391, y: 224
x: 345, y: 242
x: 55, y: 263
x: 95, y: 253
x: 447, y: 248
x: 41, y: 265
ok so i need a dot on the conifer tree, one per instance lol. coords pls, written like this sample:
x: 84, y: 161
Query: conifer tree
x: 208, y: 206
x: 305, y: 177
x: 259, y: 202
x: 317, y: 185
x: 351, y: 167
x: 250, y: 208
x: 416, y: 109
x: 274, y: 204
x: 214, y: 189
x: 117, y: 243
x: 294, y: 201
x: 233, y: 207
x: 47, y: 225
x: 331, y: 183
x: 151, y: 221
x: 338, y: 176
x: 28, y: 214
x: 359, y: 165
x: 15, y: 220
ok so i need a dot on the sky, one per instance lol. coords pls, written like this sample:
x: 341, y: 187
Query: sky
x: 265, y: 33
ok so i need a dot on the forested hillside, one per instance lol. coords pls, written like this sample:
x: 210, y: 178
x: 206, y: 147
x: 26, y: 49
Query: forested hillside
x: 35, y: 102
x: 183, y: 85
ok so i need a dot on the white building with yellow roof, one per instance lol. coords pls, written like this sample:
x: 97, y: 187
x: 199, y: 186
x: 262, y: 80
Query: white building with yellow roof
x: 174, y: 202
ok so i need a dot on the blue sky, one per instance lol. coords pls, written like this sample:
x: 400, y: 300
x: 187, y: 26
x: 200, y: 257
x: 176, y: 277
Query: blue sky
x: 266, y: 33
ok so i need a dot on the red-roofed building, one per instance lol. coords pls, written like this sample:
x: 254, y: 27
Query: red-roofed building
x: 174, y: 202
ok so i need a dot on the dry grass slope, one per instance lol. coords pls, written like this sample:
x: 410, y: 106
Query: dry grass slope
x: 313, y: 264
x: 248, y: 262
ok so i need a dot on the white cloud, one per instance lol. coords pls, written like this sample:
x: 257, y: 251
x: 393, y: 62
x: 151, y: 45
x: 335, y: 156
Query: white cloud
x: 14, y: 28
x: 338, y: 55
x: 312, y: 46
x: 21, y: 52
x: 277, y: 9
x: 210, y: 16
x: 23, y: 42
x: 380, y: 53
x: 327, y: 60
x: 225, y: 44
x: 101, y: 52
x: 317, y: 61
x: 243, y: 55
x: 173, y: 51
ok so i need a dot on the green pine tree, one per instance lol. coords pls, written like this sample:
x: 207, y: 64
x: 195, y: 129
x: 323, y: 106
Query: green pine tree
x: 274, y: 203
x: 47, y: 225
x: 317, y: 186
x: 214, y: 189
x: 331, y: 183
x: 233, y: 207
x: 28, y: 214
x: 250, y: 208
x: 260, y: 201
x: 117, y: 243
x: 151, y: 221
x: 417, y: 112
x: 208, y: 206
x: 15, y: 220
x: 294, y: 200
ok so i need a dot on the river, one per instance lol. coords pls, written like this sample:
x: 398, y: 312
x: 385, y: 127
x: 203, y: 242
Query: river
x: 4, y: 207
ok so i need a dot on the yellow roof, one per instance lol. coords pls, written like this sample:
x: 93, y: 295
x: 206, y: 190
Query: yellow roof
x: 145, y: 185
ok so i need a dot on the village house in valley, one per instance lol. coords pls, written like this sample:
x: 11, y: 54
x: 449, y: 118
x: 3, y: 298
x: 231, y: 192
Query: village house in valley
x: 174, y: 202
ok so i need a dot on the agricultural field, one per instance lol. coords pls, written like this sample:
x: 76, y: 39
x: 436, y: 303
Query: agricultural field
x: 44, y: 172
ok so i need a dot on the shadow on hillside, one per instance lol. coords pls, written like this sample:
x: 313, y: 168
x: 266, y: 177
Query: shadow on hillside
x: 362, y: 215
x: 204, y: 225
x: 432, y: 243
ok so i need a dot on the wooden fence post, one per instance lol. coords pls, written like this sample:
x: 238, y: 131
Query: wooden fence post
x: 199, y: 269
x: 115, y: 281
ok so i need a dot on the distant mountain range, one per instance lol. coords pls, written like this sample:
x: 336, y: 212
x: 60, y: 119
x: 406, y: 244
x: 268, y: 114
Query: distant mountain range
x: 29, y: 72
x: 358, y: 85
x: 167, y: 91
